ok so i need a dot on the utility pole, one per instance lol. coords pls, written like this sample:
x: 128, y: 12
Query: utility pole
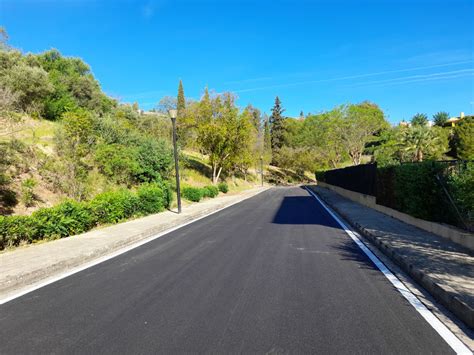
x: 261, y: 169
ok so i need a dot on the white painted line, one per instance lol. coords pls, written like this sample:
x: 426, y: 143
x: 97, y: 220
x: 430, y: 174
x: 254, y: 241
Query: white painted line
x: 114, y: 254
x: 456, y: 344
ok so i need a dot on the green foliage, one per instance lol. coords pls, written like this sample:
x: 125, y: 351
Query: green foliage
x: 65, y: 219
x: 155, y: 159
x: 277, y: 129
x: 440, y: 118
x: 418, y: 189
x: 151, y: 198
x: 223, y: 187
x: 194, y: 194
x: 27, y: 191
x: 420, y: 142
x: 210, y: 191
x: 181, y: 102
x: 17, y: 229
x: 464, y: 139
x: 119, y: 163
x: 419, y: 119
x: 29, y: 84
x: 114, y: 206
x: 461, y: 185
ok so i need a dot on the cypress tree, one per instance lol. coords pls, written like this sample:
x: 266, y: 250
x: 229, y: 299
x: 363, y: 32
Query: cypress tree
x: 181, y: 104
x: 276, y: 126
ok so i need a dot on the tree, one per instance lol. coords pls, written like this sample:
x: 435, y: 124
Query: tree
x: 223, y: 134
x: 277, y: 126
x: 420, y: 119
x: 419, y: 142
x: 464, y: 138
x: 267, y: 141
x: 361, y: 123
x: 165, y: 104
x: 440, y: 118
x: 181, y: 102
x: 30, y: 86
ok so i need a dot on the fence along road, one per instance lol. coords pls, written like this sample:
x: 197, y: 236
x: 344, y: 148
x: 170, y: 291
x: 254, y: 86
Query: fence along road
x: 275, y: 273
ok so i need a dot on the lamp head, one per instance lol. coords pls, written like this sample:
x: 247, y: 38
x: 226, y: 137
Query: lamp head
x: 173, y: 113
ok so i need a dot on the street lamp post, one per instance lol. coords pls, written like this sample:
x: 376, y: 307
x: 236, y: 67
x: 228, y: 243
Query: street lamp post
x: 261, y: 169
x: 173, y: 114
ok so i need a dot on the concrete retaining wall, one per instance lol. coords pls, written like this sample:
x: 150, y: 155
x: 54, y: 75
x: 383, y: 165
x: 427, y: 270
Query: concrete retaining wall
x: 456, y: 235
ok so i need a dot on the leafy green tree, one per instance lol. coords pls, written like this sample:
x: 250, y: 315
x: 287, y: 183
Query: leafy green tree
x: 222, y: 133
x: 166, y: 103
x: 419, y: 119
x: 464, y: 138
x: 440, y: 118
x: 119, y: 163
x: 361, y: 123
x: 277, y: 126
x: 75, y: 140
x: 267, y: 141
x: 30, y: 85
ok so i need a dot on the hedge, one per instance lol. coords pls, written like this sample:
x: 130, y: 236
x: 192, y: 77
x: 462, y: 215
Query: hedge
x: 210, y: 191
x: 196, y: 194
x: 71, y: 217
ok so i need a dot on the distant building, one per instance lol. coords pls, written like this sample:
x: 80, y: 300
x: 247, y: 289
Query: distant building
x: 453, y: 121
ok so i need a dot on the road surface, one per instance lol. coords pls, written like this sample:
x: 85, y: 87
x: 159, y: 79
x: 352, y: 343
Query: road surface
x: 273, y: 274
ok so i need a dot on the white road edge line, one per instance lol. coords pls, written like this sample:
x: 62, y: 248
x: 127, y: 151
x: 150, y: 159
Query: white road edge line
x: 457, y: 345
x: 92, y: 263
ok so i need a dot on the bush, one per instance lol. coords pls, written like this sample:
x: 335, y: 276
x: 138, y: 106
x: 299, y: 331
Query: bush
x: 461, y: 185
x: 114, y: 206
x: 210, y: 191
x: 151, y: 199
x: 65, y: 219
x: 17, y: 229
x: 167, y: 194
x: 194, y: 194
x: 223, y: 187
x: 27, y: 192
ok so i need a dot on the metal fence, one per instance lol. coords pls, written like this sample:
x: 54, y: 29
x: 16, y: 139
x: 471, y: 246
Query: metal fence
x: 359, y: 178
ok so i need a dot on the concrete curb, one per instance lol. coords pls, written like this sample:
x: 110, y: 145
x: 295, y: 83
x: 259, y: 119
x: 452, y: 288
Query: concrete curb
x: 443, y: 294
x: 37, y: 276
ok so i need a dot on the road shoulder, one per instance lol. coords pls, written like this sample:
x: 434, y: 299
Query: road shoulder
x: 30, y: 267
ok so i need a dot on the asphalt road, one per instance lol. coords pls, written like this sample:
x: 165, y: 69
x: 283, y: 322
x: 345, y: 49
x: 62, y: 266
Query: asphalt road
x: 273, y: 274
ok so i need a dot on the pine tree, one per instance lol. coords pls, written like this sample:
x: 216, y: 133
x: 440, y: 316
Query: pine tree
x: 276, y: 126
x: 181, y: 104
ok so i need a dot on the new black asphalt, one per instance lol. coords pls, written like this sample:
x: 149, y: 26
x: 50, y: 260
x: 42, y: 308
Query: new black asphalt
x: 273, y: 274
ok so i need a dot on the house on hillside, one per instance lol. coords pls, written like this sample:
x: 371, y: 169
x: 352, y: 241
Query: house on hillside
x: 453, y: 121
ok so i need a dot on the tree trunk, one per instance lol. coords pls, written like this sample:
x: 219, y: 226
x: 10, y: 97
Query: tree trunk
x: 217, y: 176
x: 214, y: 177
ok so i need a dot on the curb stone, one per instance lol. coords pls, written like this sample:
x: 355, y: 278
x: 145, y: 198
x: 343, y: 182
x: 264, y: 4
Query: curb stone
x: 442, y: 293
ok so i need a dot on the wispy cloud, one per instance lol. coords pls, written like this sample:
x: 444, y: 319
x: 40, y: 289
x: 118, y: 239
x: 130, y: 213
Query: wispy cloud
x: 350, y: 77
x: 412, y: 78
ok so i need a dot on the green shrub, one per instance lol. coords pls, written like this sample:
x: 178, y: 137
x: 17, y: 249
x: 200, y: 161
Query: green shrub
x: 194, y: 194
x: 63, y: 220
x: 461, y: 185
x: 114, y: 206
x: 223, y: 187
x: 17, y: 229
x: 151, y: 199
x: 27, y: 191
x: 167, y: 194
x: 210, y: 191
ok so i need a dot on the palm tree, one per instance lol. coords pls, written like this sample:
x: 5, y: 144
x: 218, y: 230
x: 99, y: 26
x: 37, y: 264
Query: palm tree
x: 440, y: 118
x: 417, y: 141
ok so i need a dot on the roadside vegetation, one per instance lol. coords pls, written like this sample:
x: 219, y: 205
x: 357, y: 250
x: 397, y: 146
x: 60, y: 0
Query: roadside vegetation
x: 72, y: 158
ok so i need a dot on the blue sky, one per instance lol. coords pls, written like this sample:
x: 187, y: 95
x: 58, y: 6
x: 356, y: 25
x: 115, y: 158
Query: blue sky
x: 407, y: 56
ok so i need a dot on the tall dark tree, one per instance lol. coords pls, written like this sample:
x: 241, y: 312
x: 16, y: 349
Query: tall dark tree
x: 181, y: 103
x: 277, y: 126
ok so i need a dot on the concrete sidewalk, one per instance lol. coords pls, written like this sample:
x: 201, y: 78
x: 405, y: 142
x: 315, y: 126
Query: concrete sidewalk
x: 27, y: 266
x: 443, y: 268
